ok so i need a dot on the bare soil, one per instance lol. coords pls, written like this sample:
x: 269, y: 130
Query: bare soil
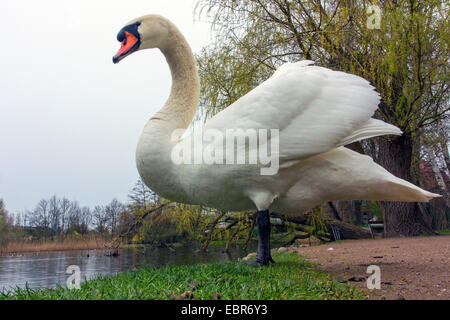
x: 411, y: 268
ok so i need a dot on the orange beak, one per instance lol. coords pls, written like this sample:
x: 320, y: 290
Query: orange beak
x: 129, y: 45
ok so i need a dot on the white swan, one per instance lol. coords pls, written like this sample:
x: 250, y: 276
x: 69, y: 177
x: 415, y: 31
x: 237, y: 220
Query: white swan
x: 317, y: 112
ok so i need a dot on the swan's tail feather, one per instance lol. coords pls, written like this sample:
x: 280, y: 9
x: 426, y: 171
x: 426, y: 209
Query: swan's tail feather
x: 371, y: 128
x: 394, y: 188
x: 372, y: 182
x: 402, y: 190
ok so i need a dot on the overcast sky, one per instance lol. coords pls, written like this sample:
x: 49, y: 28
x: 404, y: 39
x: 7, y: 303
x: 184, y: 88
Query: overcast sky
x: 69, y: 118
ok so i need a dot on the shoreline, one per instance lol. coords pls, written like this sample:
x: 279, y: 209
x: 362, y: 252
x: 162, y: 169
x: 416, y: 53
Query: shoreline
x: 291, y: 278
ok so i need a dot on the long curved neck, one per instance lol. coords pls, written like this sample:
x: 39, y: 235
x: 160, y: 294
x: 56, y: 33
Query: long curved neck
x: 153, y: 153
x: 180, y: 108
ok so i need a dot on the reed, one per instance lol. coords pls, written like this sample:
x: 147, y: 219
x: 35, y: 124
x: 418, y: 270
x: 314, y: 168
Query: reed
x: 67, y: 242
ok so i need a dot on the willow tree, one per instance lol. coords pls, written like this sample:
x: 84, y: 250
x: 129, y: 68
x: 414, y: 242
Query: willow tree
x: 403, y: 52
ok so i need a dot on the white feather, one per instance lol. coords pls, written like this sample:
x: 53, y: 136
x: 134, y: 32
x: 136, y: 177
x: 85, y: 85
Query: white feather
x: 315, y: 109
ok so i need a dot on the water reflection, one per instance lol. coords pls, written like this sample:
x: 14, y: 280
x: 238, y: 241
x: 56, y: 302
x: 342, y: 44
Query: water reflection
x: 49, y: 268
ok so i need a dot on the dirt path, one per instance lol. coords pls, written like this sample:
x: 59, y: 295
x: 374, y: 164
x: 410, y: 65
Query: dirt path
x: 411, y: 268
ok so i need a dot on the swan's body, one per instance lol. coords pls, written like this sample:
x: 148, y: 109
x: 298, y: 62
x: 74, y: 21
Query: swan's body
x: 317, y: 112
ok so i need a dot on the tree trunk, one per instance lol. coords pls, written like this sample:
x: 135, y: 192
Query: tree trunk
x: 444, y: 145
x: 346, y: 230
x: 335, y: 212
x: 400, y: 218
x: 357, y: 204
x: 438, y: 175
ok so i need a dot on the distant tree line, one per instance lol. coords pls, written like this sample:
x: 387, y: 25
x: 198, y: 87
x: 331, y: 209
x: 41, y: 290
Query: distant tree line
x: 5, y: 222
x: 57, y: 216
x: 60, y: 216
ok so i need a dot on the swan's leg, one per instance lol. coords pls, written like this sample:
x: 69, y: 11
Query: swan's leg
x: 263, y: 257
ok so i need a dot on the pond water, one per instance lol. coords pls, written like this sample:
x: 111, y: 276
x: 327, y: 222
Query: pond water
x: 47, y: 269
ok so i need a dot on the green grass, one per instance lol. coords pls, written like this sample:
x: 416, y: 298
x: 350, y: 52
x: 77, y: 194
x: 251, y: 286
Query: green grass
x: 443, y: 231
x: 290, y: 278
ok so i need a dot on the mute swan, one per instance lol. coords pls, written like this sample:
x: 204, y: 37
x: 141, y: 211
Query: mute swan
x: 316, y: 112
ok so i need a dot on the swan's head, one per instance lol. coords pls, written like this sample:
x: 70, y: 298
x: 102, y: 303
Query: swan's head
x: 151, y: 31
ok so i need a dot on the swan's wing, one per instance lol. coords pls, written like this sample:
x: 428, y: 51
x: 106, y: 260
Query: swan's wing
x: 315, y: 109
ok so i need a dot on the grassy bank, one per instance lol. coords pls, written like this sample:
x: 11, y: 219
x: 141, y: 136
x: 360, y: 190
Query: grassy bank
x: 290, y: 278
x: 56, y: 244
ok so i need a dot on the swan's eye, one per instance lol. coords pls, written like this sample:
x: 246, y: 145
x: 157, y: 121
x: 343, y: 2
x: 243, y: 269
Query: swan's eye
x: 124, y: 41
